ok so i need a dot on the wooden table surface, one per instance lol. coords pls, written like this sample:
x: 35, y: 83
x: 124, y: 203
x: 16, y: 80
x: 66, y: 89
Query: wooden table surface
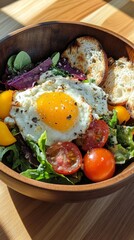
x: 107, y: 218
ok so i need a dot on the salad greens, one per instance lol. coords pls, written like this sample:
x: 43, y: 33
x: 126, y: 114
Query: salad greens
x: 19, y: 62
x: 28, y: 157
x: 120, y: 141
x: 44, y: 171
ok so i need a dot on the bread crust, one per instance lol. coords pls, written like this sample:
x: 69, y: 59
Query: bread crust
x: 130, y: 105
x: 87, y: 54
x: 119, y: 84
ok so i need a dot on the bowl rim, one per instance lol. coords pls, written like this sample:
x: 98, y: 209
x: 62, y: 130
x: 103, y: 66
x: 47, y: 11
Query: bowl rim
x: 104, y: 29
x: 115, y: 180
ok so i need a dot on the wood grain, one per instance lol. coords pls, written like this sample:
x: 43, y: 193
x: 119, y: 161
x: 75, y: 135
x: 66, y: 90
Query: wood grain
x: 104, y: 218
x: 107, y: 218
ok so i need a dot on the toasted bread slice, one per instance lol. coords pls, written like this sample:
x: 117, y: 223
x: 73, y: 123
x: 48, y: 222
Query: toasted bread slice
x: 119, y: 84
x: 130, y: 105
x: 87, y: 55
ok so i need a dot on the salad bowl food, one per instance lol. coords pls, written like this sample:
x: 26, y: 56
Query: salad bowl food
x: 66, y: 111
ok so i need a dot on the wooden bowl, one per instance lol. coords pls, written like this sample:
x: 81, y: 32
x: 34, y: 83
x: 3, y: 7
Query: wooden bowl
x: 40, y: 41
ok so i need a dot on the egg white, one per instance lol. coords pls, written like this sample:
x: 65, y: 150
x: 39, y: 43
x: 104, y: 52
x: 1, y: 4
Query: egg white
x: 90, y: 99
x: 30, y: 123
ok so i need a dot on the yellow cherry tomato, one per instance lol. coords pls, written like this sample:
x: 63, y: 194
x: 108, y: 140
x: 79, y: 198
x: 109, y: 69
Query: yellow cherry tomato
x: 122, y: 113
x: 6, y: 137
x: 5, y: 103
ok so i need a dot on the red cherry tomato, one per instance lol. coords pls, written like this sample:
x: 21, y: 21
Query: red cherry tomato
x: 65, y: 157
x: 99, y: 164
x: 96, y: 135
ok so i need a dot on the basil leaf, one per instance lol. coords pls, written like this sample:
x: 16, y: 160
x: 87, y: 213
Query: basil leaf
x: 22, y: 60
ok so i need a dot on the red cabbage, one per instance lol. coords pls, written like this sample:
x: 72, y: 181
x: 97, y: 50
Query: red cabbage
x: 76, y: 73
x: 28, y: 79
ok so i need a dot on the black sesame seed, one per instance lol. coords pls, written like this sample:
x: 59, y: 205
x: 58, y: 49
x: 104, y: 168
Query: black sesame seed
x: 69, y: 117
x: 34, y: 119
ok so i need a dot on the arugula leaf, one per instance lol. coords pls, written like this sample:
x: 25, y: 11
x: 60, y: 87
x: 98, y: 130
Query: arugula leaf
x: 11, y: 157
x: 4, y: 150
x: 111, y: 119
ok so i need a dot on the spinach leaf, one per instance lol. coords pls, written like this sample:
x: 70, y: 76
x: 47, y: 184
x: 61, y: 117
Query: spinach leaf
x: 10, y: 63
x: 22, y: 60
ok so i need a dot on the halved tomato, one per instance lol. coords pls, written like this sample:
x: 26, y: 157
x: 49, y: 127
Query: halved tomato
x: 65, y: 157
x: 96, y: 135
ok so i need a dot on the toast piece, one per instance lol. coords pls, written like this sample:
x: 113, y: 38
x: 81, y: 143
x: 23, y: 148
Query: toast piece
x: 130, y: 105
x: 87, y: 55
x: 119, y: 84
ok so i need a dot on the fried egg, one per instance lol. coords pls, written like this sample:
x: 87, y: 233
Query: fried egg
x: 63, y: 108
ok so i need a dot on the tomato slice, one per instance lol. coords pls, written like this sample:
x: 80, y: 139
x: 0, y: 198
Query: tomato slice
x: 65, y: 157
x: 96, y: 135
x: 99, y: 164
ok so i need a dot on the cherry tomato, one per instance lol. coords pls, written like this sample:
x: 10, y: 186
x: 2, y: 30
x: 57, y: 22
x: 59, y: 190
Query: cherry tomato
x: 122, y: 113
x: 99, y: 164
x: 96, y: 135
x: 65, y: 157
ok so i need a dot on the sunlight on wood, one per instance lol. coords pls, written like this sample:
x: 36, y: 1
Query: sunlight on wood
x: 109, y: 16
x: 23, y: 10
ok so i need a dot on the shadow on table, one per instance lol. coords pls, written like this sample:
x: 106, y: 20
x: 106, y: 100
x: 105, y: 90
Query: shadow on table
x: 110, y: 217
x: 4, y: 3
x: 128, y: 8
x: 3, y: 235
x: 45, y: 218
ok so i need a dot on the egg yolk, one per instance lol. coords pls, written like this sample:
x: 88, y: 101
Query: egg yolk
x: 5, y: 103
x: 58, y: 110
x: 6, y: 137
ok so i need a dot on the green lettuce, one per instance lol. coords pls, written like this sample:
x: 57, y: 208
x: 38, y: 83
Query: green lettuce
x: 120, y: 141
x: 44, y: 172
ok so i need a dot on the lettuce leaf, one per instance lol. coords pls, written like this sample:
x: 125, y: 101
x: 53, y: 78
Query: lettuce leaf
x: 125, y: 136
x: 44, y: 172
x: 121, y: 154
x: 120, y: 141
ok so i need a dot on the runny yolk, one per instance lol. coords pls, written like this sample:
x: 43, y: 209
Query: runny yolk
x: 58, y: 110
x: 5, y: 103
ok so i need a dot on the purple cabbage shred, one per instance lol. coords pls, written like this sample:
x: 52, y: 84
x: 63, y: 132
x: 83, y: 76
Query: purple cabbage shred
x: 28, y: 79
x: 76, y: 73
